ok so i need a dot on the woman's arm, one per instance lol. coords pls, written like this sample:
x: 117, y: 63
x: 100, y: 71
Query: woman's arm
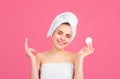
x: 35, y: 65
x: 34, y: 70
x: 35, y: 61
x: 79, y: 72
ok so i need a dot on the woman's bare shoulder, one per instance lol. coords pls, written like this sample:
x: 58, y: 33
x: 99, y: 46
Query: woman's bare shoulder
x: 73, y: 56
x: 40, y: 55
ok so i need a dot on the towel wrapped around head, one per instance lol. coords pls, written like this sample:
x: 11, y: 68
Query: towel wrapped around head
x: 62, y: 18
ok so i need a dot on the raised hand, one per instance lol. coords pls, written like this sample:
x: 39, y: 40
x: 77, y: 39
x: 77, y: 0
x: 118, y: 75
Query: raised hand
x: 85, y: 51
x: 29, y: 51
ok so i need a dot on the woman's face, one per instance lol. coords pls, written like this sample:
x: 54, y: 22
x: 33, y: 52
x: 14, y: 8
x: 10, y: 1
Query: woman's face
x: 62, y: 36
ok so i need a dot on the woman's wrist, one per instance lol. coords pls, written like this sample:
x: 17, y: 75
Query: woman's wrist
x: 33, y: 60
x: 81, y: 58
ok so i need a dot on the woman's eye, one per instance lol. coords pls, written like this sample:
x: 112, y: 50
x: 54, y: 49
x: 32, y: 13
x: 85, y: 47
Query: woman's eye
x: 59, y: 32
x: 68, y: 36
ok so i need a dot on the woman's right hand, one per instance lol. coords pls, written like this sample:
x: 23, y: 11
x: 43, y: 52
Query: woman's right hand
x: 29, y: 51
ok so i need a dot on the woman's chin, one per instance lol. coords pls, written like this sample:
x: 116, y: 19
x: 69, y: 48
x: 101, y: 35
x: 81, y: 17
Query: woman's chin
x: 60, y: 47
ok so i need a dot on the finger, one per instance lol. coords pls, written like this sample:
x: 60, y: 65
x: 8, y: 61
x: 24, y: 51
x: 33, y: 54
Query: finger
x: 92, y: 50
x: 26, y: 40
x: 26, y: 44
x: 33, y: 50
x: 89, y: 46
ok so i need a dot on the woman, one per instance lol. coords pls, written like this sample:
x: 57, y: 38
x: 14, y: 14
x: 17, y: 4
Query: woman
x: 57, y: 63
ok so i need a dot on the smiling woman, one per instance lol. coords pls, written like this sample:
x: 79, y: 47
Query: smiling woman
x: 57, y: 63
x: 62, y: 36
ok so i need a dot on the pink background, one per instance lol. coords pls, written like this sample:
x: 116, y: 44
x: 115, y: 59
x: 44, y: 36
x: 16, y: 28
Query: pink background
x: 99, y: 19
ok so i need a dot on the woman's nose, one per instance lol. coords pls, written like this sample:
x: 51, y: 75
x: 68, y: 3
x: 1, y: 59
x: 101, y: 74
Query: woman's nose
x: 63, y: 38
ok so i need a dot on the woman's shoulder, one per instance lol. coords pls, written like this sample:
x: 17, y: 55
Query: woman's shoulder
x: 40, y: 55
x: 73, y: 56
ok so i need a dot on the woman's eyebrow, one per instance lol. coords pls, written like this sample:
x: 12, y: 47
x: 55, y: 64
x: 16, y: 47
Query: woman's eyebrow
x: 68, y: 34
x: 60, y: 31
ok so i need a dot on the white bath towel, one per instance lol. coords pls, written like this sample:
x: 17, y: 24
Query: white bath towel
x: 61, y: 18
x: 57, y: 71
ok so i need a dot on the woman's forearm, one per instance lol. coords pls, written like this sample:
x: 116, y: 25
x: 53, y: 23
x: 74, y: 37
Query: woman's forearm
x: 79, y: 73
x: 34, y: 70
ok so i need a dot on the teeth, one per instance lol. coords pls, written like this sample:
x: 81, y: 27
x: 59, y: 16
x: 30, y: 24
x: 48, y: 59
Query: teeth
x: 61, y: 43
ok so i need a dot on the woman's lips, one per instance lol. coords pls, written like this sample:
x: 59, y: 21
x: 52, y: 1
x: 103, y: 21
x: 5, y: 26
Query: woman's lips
x: 60, y: 43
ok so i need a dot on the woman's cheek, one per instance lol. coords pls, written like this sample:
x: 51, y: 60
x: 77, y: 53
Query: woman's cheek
x: 57, y: 35
x: 68, y: 40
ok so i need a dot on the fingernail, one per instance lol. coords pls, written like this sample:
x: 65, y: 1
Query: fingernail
x: 26, y: 39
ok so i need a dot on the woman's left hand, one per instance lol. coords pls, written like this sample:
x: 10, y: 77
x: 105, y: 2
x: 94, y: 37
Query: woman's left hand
x: 85, y: 51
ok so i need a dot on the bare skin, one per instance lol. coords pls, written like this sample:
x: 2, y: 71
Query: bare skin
x: 61, y: 39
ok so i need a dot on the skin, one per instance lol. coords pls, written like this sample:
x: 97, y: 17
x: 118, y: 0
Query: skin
x: 57, y: 54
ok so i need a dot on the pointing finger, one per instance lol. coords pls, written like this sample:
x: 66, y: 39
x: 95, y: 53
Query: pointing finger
x: 26, y: 44
x: 26, y: 40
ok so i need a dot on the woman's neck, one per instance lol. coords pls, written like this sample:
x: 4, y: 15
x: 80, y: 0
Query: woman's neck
x: 57, y: 52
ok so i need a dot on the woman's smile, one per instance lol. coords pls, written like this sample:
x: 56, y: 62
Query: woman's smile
x: 60, y: 42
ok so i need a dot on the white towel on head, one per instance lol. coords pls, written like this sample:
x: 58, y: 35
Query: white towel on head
x: 61, y: 18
